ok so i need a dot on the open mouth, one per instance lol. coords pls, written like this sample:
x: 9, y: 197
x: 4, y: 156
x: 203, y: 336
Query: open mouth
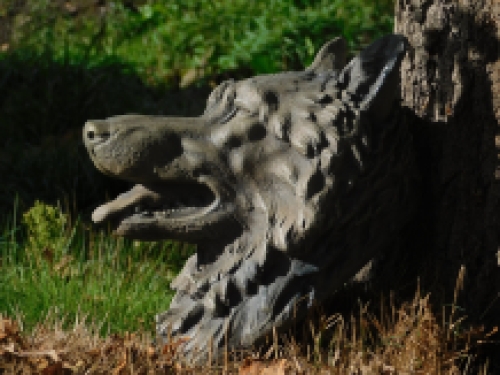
x: 168, y: 201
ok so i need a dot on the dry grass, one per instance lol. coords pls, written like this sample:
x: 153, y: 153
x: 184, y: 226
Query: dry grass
x: 407, y: 340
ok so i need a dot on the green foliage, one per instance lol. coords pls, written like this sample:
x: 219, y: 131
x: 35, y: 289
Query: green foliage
x: 58, y: 266
x: 45, y: 226
x: 164, y: 40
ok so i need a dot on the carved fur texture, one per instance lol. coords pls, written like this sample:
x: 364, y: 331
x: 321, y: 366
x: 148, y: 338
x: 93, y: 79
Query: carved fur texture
x: 288, y: 184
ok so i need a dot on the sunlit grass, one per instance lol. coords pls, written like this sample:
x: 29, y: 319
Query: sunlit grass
x: 163, y: 39
x: 73, y: 271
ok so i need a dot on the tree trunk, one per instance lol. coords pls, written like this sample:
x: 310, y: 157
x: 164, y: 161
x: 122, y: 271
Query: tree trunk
x: 451, y: 94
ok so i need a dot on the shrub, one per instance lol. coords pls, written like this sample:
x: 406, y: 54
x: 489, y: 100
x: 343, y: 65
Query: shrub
x: 45, y: 227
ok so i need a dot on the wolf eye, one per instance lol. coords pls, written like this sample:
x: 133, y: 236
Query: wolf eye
x: 242, y: 106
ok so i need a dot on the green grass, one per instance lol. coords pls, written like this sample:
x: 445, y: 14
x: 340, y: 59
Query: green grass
x: 50, y: 266
x: 162, y: 40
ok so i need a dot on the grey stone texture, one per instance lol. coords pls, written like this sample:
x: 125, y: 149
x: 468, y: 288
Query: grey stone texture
x: 288, y: 184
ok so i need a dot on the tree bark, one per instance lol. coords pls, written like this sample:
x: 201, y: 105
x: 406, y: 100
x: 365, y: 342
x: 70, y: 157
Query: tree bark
x: 450, y: 85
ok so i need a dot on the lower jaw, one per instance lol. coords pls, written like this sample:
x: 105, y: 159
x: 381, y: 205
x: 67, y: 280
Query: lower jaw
x: 211, y: 227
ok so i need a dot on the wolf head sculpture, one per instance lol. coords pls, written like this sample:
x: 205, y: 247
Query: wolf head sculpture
x: 288, y: 184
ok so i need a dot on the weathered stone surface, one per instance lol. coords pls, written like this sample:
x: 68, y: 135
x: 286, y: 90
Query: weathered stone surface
x: 288, y: 184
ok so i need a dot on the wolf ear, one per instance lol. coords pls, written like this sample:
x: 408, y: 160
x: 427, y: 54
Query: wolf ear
x: 331, y: 56
x: 373, y: 75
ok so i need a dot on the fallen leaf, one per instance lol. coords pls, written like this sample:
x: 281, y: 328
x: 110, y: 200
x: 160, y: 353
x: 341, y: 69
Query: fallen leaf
x: 77, y: 368
x: 41, y: 363
x: 54, y: 369
x: 9, y: 348
x: 10, y: 330
x: 9, y: 327
x: 257, y: 367
x: 151, y: 351
x: 118, y: 370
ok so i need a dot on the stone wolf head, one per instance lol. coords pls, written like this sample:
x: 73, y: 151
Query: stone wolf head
x: 288, y: 184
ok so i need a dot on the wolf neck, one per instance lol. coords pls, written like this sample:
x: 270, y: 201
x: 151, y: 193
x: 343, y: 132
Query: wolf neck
x: 248, y: 290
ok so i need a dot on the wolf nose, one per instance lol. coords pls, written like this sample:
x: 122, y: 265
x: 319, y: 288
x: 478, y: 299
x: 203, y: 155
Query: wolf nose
x: 96, y: 131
